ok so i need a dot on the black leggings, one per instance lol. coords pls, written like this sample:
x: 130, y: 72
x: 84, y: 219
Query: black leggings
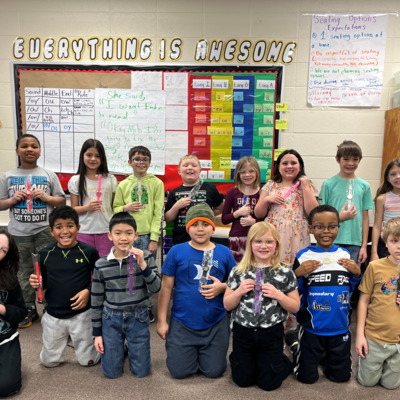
x: 10, y: 367
x: 257, y: 357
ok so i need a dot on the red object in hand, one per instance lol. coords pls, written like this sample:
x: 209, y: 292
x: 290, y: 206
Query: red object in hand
x: 28, y: 192
x: 40, y: 296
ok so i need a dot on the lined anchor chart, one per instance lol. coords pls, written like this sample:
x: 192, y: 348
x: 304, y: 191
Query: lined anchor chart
x: 347, y: 56
x: 60, y: 119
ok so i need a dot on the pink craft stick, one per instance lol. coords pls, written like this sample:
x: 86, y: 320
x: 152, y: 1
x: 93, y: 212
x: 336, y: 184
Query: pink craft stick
x: 291, y: 190
x: 99, y: 188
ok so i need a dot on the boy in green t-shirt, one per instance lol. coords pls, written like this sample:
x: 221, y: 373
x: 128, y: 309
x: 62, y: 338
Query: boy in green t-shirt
x: 351, y: 196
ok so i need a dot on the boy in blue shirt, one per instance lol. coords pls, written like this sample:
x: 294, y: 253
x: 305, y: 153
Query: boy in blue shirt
x: 352, y: 197
x: 197, y: 336
x: 120, y: 296
x: 327, y: 277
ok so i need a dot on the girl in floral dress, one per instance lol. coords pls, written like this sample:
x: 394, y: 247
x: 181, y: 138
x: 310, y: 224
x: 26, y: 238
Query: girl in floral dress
x: 286, y: 200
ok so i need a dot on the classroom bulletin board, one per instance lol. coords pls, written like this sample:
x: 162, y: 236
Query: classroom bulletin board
x: 218, y: 113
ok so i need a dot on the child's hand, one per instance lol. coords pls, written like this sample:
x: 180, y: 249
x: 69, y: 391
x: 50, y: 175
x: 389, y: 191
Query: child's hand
x: 271, y: 291
x: 247, y: 221
x: 81, y: 299
x: 246, y: 286
x: 305, y: 182
x: 362, y: 255
x: 2, y: 309
x: 19, y: 195
x: 39, y: 194
x: 350, y: 265
x: 136, y: 206
x: 162, y: 329
x: 344, y: 214
x: 398, y: 300
x: 306, y: 267
x: 183, y: 202
x: 243, y: 211
x: 213, y: 290
x: 95, y: 205
x: 152, y: 247
x: 33, y: 281
x: 275, y: 198
x: 98, y: 344
x: 361, y: 346
x: 139, y: 257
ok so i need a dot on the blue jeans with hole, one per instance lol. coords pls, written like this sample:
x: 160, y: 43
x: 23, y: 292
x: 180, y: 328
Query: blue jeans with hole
x: 134, y: 327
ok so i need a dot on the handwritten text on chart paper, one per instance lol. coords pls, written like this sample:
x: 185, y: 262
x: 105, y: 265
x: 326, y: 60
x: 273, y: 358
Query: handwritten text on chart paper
x: 126, y: 118
x: 346, y: 60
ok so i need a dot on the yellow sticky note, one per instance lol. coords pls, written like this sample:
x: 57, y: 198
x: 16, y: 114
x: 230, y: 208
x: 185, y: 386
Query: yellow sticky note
x: 225, y: 163
x: 277, y: 153
x: 281, y: 124
x: 281, y: 107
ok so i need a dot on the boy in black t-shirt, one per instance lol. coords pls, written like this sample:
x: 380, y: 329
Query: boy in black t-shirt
x: 192, y: 191
x: 66, y: 268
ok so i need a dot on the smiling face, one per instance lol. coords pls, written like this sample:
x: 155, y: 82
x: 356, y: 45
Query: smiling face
x: 92, y: 159
x: 248, y: 175
x: 264, y: 248
x: 348, y: 166
x: 189, y: 169
x: 65, y: 231
x: 289, y: 167
x: 323, y: 235
x: 140, y: 164
x: 4, y: 246
x: 123, y: 236
x: 28, y: 151
x: 394, y: 177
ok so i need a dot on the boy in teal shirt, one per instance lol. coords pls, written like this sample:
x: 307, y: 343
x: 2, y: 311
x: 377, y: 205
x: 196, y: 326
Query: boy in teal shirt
x: 351, y: 196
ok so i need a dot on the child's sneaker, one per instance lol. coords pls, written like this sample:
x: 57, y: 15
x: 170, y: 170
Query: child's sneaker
x: 30, y: 318
x: 292, y: 340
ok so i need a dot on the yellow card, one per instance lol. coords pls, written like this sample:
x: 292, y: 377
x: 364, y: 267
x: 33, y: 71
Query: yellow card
x: 225, y: 163
x: 281, y: 107
x: 281, y: 124
x: 277, y: 153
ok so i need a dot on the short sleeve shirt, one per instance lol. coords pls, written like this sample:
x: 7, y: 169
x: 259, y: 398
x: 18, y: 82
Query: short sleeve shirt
x: 383, y: 314
x: 25, y: 222
x: 270, y: 311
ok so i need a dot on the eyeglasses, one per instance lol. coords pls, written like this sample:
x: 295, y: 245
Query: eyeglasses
x: 140, y: 160
x: 321, y: 228
x: 259, y: 242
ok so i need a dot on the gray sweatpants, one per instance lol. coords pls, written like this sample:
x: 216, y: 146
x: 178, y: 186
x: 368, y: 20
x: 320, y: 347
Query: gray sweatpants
x: 55, y: 338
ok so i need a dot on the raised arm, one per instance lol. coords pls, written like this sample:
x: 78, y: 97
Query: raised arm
x: 309, y: 200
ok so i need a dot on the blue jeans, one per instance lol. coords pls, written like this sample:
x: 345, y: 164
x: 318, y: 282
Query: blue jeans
x: 142, y: 243
x: 134, y: 327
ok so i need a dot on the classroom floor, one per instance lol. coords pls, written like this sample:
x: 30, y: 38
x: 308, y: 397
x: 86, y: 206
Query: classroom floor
x: 71, y: 381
